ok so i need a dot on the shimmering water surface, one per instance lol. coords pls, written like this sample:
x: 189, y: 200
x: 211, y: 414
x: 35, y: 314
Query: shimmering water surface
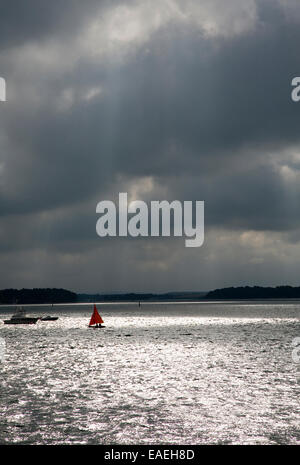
x: 200, y: 373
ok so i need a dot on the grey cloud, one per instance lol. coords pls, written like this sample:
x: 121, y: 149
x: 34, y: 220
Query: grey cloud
x: 201, y: 115
x: 36, y: 20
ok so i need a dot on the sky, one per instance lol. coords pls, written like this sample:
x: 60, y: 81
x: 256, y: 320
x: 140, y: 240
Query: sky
x: 165, y: 100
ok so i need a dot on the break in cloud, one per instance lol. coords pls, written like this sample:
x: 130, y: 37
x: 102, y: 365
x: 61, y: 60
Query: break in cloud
x: 165, y: 100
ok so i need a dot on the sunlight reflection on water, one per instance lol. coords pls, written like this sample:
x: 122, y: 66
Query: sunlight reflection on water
x: 160, y: 374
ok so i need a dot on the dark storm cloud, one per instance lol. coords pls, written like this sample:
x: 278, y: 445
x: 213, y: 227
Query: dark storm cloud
x: 207, y: 117
x: 258, y: 198
x: 34, y: 20
x: 166, y: 112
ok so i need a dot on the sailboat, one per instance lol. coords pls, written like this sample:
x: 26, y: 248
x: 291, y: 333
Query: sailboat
x: 96, y: 320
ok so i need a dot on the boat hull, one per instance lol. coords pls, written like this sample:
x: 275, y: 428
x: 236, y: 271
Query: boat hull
x: 50, y: 318
x: 21, y: 321
x: 97, y: 327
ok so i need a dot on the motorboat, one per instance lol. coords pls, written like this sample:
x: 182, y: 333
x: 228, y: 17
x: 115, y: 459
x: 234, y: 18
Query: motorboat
x: 20, y: 318
x: 49, y: 318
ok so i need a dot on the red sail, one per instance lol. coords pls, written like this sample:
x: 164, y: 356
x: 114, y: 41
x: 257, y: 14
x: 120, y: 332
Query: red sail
x: 96, y: 318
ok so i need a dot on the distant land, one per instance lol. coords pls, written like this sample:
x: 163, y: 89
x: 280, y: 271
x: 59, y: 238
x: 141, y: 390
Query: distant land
x: 134, y: 297
x: 255, y: 292
x: 36, y: 296
x: 52, y: 296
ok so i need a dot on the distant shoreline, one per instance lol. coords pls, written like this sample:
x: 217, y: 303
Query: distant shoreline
x: 54, y: 296
x: 254, y: 293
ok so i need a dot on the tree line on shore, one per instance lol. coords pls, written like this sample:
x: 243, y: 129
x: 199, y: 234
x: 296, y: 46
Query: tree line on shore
x: 255, y: 292
x: 53, y: 296
x: 36, y: 296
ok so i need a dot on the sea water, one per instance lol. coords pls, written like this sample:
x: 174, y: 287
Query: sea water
x: 162, y: 373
